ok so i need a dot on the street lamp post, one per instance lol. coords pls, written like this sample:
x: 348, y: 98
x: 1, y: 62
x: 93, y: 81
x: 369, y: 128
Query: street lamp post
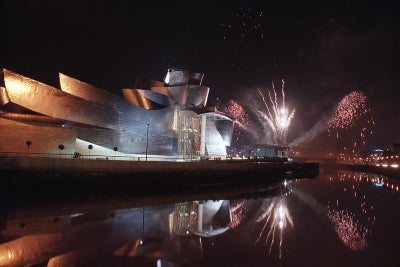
x: 147, y: 138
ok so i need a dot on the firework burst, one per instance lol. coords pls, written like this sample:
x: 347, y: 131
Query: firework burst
x: 240, y: 116
x: 351, y: 107
x: 349, y: 112
x: 237, y: 112
x: 278, y: 115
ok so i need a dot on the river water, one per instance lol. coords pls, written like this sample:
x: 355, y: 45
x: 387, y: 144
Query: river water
x: 336, y: 219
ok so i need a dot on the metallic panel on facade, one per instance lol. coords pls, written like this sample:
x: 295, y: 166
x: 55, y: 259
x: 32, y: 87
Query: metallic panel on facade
x: 214, y: 142
x: 4, y: 99
x: 218, y: 127
x: 142, y: 119
x: 196, y: 78
x: 53, y: 102
x: 179, y: 93
x: 30, y: 118
x: 87, y: 91
x: 44, y: 140
x: 146, y: 99
x: 162, y: 90
x: 154, y: 83
x: 146, y: 84
x: 198, y: 96
x: 127, y: 142
x: 176, y: 77
x: 131, y: 117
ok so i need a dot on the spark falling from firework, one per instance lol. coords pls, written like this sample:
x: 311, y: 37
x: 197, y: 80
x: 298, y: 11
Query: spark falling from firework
x: 351, y: 108
x: 277, y: 116
x: 237, y: 112
x: 276, y: 216
x: 240, y: 116
x: 350, y: 115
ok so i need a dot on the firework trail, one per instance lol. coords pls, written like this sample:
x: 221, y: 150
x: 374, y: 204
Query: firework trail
x: 278, y: 116
x: 276, y: 216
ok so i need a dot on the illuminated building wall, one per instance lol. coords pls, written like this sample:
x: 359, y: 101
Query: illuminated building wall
x: 103, y: 119
x: 43, y: 139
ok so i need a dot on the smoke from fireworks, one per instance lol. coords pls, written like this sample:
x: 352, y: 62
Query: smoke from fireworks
x: 277, y: 116
x: 318, y: 128
x: 347, y: 114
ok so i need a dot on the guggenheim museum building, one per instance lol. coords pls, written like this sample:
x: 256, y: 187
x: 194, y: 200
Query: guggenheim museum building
x: 169, y: 118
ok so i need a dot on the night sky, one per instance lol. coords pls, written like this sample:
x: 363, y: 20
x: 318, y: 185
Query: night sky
x: 322, y: 51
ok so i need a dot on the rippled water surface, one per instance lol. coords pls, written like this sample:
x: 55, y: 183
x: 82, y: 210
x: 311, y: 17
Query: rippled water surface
x: 338, y: 219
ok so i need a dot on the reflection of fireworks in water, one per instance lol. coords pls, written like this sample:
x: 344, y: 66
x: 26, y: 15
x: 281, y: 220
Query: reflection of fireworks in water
x: 353, y: 227
x: 351, y: 108
x: 237, y: 112
x: 349, y: 230
x: 278, y: 116
x: 276, y: 215
x: 237, y: 211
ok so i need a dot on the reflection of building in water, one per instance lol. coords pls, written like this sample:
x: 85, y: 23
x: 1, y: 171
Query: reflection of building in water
x: 189, y: 223
x: 168, y: 117
x: 202, y: 218
x: 182, y: 218
x: 101, y: 237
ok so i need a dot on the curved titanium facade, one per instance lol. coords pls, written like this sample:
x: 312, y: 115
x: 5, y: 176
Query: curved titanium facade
x: 52, y: 102
x: 179, y: 94
x: 198, y: 96
x: 176, y: 77
x: 161, y: 120
x: 43, y: 140
x: 146, y: 99
x: 88, y: 92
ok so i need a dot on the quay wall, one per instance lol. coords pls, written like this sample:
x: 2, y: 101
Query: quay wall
x: 118, y: 166
x: 243, y: 168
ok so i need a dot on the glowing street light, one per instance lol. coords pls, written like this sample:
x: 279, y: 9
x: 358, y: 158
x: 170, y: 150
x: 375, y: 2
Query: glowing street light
x: 147, y: 139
